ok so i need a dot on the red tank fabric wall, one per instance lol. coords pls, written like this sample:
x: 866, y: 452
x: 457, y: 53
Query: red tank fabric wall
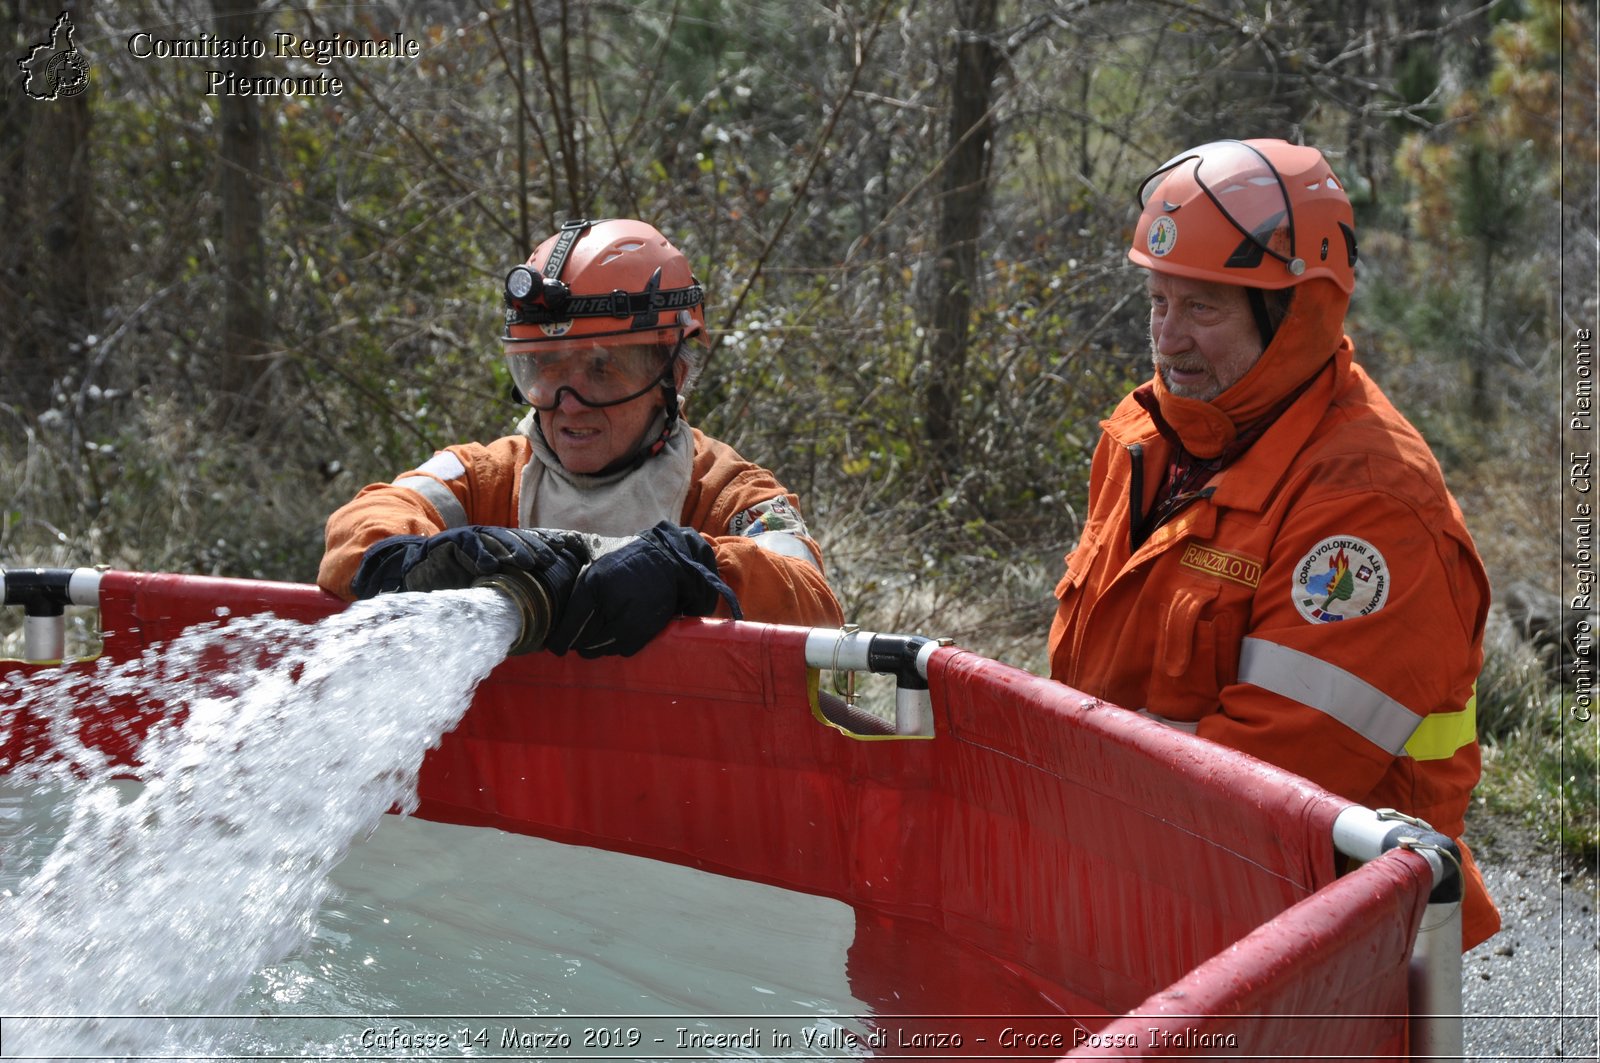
x: 1326, y: 980
x: 1103, y: 855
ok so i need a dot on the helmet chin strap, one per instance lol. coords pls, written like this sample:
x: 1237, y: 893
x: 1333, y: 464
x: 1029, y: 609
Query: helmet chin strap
x: 1258, y: 308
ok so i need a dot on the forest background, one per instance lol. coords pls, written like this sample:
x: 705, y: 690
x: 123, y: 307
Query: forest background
x: 221, y: 315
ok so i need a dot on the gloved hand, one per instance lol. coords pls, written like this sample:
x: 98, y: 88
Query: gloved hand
x: 454, y: 559
x: 627, y: 595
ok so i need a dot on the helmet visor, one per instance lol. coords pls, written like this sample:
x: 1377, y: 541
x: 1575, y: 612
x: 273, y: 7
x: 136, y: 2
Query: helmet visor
x: 596, y: 374
x: 1243, y: 186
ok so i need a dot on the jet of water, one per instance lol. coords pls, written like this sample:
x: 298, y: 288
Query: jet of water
x: 283, y: 743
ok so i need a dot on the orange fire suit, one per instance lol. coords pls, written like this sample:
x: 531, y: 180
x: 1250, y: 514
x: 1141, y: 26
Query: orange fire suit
x: 730, y: 502
x: 1318, y: 603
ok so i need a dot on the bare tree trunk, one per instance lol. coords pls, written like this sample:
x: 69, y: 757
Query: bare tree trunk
x: 963, y: 198
x: 246, y: 321
x: 48, y: 272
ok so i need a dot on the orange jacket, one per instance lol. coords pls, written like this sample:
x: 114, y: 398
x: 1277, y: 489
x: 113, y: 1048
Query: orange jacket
x: 1322, y: 608
x: 723, y: 489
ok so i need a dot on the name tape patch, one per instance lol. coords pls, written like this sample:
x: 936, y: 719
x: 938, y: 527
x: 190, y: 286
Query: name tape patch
x: 1241, y: 570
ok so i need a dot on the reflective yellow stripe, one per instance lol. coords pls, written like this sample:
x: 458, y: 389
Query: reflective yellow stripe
x: 1442, y: 733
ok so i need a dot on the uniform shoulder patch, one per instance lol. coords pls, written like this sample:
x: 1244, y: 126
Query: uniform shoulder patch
x: 1342, y: 577
x: 773, y: 515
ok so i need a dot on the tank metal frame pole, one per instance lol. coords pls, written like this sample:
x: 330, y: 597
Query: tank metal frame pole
x: 1434, y: 981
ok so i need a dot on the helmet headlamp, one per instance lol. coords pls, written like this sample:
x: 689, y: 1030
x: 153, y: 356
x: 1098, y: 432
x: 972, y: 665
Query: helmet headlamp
x: 520, y: 283
x: 532, y: 296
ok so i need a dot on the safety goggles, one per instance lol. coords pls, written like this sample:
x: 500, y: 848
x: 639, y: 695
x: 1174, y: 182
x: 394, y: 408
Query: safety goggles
x: 597, y: 375
x: 1246, y: 190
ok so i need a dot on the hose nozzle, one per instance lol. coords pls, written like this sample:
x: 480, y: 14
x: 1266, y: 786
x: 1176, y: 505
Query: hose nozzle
x: 535, y: 610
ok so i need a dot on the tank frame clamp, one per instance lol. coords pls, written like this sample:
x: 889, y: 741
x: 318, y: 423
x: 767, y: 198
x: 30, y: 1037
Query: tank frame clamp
x: 1369, y: 833
x: 44, y: 594
x: 850, y: 650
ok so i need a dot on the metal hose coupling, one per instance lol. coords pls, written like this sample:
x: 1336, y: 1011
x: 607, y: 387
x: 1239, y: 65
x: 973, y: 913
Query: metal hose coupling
x: 535, y: 610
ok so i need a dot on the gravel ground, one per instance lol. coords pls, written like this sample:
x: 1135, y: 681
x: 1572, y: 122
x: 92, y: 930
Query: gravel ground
x: 1532, y: 991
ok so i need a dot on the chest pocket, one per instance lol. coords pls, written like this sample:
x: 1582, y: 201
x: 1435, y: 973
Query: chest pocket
x: 1197, y: 654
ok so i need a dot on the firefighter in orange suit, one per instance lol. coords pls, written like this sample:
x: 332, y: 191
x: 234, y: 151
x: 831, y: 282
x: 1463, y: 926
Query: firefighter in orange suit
x: 602, y: 329
x: 1271, y: 559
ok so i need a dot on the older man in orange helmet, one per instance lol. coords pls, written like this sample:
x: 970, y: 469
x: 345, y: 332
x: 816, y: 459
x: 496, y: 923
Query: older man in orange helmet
x: 602, y: 326
x: 1271, y: 559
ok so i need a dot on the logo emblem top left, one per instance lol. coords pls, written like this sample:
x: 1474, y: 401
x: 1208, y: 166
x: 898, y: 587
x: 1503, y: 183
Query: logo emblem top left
x: 54, y: 69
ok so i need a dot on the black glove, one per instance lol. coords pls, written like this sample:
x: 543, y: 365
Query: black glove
x: 625, y: 597
x: 454, y: 559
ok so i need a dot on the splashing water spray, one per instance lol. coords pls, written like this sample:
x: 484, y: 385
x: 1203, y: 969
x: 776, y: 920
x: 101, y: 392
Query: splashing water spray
x: 279, y: 745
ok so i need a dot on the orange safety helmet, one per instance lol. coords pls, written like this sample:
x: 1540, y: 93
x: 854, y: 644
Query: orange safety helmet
x: 618, y: 281
x: 1256, y: 213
